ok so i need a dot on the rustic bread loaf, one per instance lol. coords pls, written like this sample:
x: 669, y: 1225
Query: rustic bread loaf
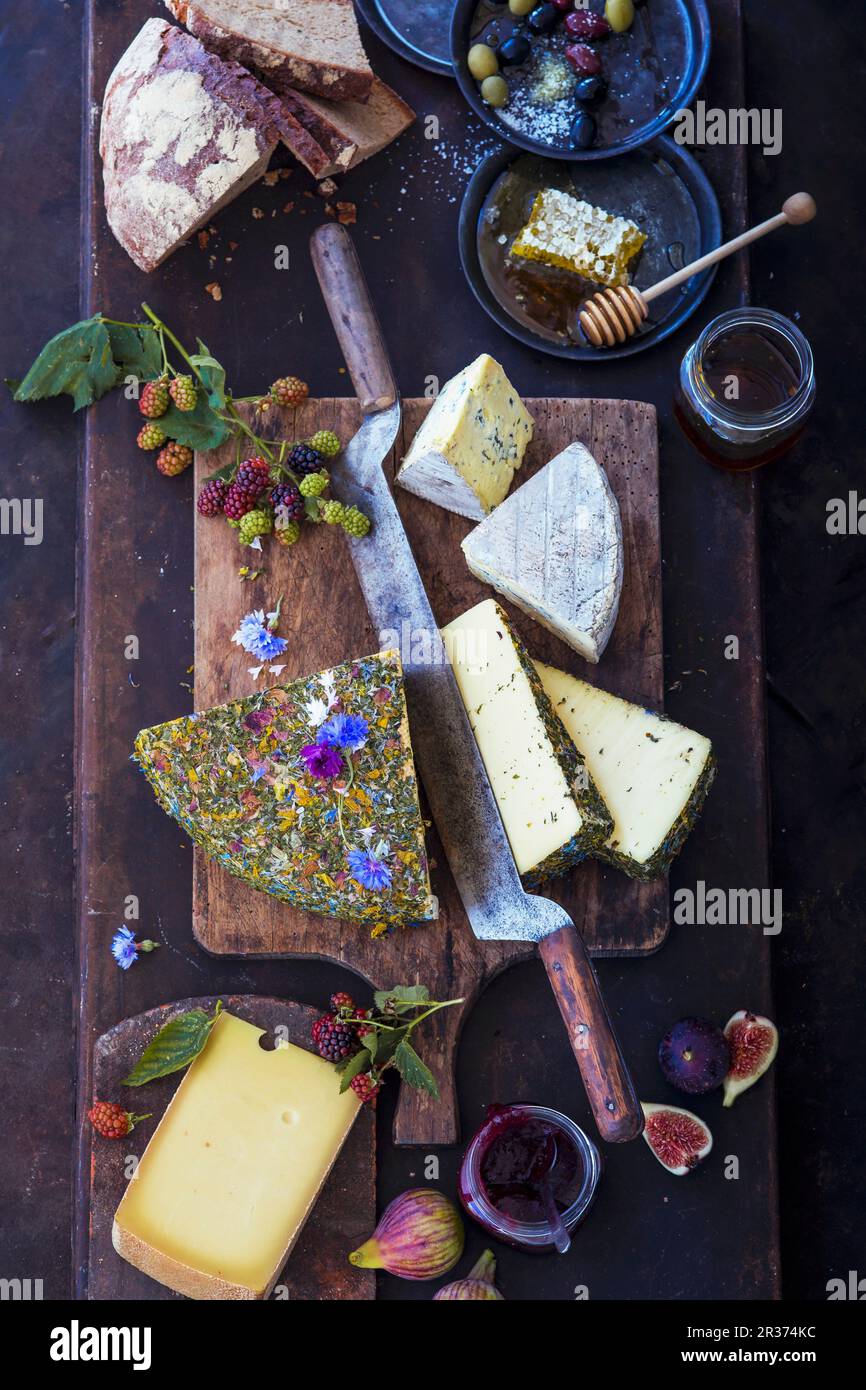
x: 350, y: 131
x: 311, y: 44
x: 183, y: 132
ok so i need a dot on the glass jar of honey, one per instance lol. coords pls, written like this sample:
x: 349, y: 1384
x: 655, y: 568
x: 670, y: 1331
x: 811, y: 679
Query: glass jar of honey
x: 745, y: 388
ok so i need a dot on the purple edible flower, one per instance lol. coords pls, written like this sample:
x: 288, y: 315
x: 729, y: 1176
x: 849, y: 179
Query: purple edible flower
x: 367, y: 870
x: 344, y: 731
x: 322, y: 760
x: 125, y: 948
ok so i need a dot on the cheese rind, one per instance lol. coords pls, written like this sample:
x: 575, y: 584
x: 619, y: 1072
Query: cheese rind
x: 234, y: 1167
x: 653, y: 774
x: 554, y: 547
x: 550, y: 808
x: 237, y: 780
x: 570, y: 233
x: 473, y: 440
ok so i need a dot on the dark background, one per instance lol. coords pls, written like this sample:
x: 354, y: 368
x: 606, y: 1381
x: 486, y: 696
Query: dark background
x: 805, y: 57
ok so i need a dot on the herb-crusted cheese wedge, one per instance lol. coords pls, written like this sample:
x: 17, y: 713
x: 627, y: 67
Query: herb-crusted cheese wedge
x: 306, y: 791
x: 472, y: 442
x: 653, y: 774
x: 554, y: 547
x: 551, y: 810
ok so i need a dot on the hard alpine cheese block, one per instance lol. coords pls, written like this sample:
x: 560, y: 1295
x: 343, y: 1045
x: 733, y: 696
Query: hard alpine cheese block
x: 554, y: 547
x: 473, y: 440
x: 234, y: 1167
x: 653, y: 774
x: 306, y: 791
x: 550, y: 808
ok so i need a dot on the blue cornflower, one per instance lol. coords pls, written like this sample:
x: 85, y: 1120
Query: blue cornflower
x: 367, y: 870
x: 344, y: 731
x: 123, y: 948
x: 257, y: 638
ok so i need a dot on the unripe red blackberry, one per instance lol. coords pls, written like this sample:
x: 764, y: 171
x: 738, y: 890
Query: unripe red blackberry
x: 252, y: 477
x: 336, y: 1041
x: 183, y: 392
x: 365, y: 1088
x: 173, y: 459
x: 212, y: 498
x: 153, y: 400
x: 289, y: 390
x: 342, y: 1001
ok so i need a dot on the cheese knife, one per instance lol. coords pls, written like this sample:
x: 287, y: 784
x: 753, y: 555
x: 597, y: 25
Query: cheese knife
x: 458, y: 790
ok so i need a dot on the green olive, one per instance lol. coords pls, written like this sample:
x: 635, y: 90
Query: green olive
x: 619, y: 14
x: 495, y: 91
x: 521, y: 6
x: 482, y: 61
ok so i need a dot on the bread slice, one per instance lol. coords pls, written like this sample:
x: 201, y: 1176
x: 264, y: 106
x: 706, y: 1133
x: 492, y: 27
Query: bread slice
x: 348, y: 132
x: 183, y: 133
x: 311, y: 44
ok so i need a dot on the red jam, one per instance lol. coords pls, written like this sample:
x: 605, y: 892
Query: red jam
x: 520, y: 1158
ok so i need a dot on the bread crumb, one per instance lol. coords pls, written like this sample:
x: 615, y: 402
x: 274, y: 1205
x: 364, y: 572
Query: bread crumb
x: 326, y: 188
x: 270, y: 177
x: 258, y: 214
x: 347, y: 214
x: 203, y: 239
x: 214, y: 291
x: 289, y: 207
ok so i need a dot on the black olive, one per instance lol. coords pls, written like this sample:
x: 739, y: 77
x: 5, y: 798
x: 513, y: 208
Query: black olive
x: 514, y: 50
x: 543, y: 19
x: 591, y: 89
x: 583, y: 131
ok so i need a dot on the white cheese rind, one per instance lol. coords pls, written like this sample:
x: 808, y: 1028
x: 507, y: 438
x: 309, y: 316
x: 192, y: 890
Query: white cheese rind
x: 551, y: 812
x: 652, y: 773
x: 554, y: 547
x: 473, y: 440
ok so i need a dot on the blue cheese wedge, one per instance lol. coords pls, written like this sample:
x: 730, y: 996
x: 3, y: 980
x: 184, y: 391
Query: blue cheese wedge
x: 468, y: 449
x: 653, y: 774
x: 554, y: 547
x: 550, y: 808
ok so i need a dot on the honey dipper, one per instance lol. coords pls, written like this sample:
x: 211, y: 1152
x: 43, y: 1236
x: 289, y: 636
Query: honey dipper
x: 613, y: 315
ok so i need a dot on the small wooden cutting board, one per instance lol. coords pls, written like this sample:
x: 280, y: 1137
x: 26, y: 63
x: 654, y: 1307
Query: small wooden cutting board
x: 326, y: 622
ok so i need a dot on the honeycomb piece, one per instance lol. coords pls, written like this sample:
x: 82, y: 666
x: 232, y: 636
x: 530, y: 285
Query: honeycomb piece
x: 572, y: 234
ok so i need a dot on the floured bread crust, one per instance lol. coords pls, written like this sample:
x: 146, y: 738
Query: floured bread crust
x: 311, y: 44
x: 183, y: 133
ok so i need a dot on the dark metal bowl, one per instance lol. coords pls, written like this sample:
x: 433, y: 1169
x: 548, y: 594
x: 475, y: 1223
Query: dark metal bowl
x: 696, y: 20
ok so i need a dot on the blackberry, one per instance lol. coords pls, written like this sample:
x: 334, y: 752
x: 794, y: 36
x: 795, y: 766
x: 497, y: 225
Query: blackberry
x: 151, y: 437
x: 314, y: 484
x: 318, y: 1026
x: 183, y: 392
x: 255, y: 523
x: 153, y: 400
x: 212, y: 498
x: 333, y: 513
x: 354, y: 522
x: 173, y: 459
x: 288, y: 535
x: 303, y: 459
x: 289, y: 390
x: 252, y: 477
x: 326, y: 442
x: 365, y: 1088
x: 287, y: 502
x: 237, y: 503
x: 336, y: 1041
x: 342, y: 1001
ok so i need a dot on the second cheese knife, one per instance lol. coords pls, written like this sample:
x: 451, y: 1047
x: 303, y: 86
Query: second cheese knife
x: 458, y: 790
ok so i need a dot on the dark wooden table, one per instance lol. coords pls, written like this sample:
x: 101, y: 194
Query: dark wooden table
x: 650, y: 1236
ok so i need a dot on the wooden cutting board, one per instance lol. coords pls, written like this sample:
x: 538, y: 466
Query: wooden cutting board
x: 344, y: 1215
x: 325, y: 622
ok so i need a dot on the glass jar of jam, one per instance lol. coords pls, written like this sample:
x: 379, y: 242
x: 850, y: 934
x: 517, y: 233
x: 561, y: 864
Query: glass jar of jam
x: 745, y: 388
x: 522, y: 1156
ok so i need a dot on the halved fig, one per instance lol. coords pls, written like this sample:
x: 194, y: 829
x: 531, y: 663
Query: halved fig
x: 678, y: 1138
x: 753, y: 1042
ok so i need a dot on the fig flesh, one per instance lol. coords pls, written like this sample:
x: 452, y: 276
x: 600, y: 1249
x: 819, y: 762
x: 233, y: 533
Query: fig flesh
x: 678, y: 1138
x: 694, y: 1056
x: 753, y: 1042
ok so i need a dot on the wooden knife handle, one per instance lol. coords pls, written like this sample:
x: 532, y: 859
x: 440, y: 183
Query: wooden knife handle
x: 609, y: 1086
x: 355, y: 323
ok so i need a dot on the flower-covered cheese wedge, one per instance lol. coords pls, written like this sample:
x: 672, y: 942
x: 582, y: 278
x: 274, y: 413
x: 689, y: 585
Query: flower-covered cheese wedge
x: 306, y: 791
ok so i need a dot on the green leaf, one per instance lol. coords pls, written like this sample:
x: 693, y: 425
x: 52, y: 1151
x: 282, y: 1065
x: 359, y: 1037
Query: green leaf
x: 384, y: 1044
x: 413, y: 1071
x: 176, y: 1045
x: 136, y: 351
x: 360, y: 1062
x: 401, y: 997
x: 213, y: 374
x: 199, y: 428
x: 77, y: 362
x: 225, y: 473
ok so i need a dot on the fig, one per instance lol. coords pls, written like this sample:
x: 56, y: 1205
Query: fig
x: 694, y: 1056
x: 678, y: 1138
x: 753, y: 1042
x: 419, y: 1236
x: 478, y: 1284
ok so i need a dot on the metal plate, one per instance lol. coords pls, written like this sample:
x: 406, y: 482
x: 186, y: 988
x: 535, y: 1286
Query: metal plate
x: 419, y: 30
x: 676, y: 34
x: 661, y: 186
